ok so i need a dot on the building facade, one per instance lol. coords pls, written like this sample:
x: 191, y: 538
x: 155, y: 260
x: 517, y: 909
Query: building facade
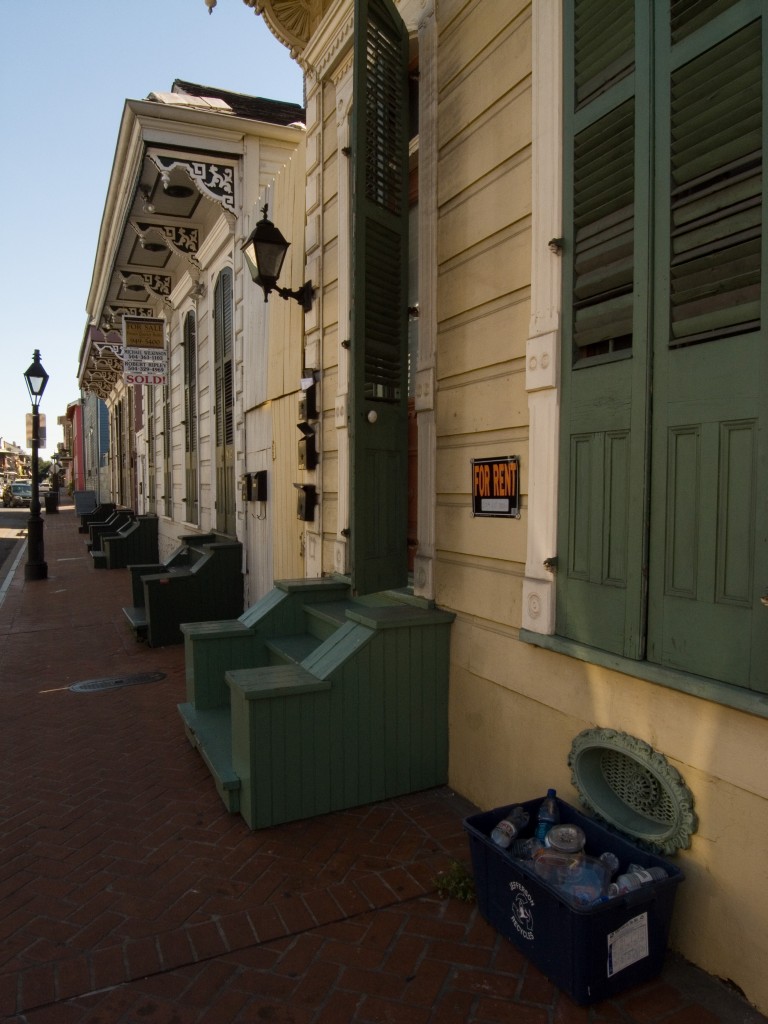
x: 537, y: 233
x: 530, y: 388
x: 193, y: 169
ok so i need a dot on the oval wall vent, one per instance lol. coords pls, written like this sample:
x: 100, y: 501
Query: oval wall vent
x: 631, y: 786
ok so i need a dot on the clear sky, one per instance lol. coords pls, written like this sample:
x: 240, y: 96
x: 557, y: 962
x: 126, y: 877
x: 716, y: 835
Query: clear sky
x: 66, y: 69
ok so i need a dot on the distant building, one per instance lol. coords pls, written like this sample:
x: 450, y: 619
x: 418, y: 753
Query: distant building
x: 14, y: 461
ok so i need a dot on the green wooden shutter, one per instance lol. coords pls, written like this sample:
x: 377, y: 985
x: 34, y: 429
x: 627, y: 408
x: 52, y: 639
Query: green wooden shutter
x: 716, y: 135
x: 190, y: 417
x: 603, y: 219
x: 603, y: 46
x: 603, y: 170
x: 167, y: 453
x: 686, y: 16
x: 662, y: 546
x: 708, y: 542
x: 224, y: 387
x: 378, y: 424
x: 603, y: 460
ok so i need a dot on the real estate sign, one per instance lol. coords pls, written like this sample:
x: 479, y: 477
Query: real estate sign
x: 496, y: 487
x: 144, y: 356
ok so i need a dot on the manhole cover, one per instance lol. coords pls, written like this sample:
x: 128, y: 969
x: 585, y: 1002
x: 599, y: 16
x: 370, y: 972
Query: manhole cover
x: 116, y: 682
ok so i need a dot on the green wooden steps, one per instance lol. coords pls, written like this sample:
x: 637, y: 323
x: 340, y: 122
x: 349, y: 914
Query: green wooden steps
x: 210, y: 733
x: 330, y: 702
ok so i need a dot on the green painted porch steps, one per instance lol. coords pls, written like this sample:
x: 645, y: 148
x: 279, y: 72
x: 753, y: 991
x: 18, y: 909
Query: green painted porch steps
x: 314, y: 701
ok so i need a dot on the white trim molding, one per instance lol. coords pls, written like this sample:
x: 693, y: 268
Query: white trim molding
x: 543, y: 344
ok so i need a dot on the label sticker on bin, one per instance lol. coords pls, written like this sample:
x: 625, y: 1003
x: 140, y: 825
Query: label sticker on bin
x: 628, y: 944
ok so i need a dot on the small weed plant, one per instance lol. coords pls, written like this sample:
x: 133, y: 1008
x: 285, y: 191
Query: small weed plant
x: 456, y: 882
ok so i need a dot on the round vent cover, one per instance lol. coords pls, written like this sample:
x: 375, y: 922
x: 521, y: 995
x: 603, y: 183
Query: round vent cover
x: 627, y: 783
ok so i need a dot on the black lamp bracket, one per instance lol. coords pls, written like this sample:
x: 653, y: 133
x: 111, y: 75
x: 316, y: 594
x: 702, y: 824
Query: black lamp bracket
x: 303, y: 295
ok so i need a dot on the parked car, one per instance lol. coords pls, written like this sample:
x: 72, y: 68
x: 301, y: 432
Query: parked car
x: 18, y: 494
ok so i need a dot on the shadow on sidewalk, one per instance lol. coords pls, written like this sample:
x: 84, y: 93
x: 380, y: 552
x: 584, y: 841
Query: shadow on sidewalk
x: 130, y: 894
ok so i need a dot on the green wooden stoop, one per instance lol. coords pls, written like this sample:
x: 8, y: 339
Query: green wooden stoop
x: 314, y: 701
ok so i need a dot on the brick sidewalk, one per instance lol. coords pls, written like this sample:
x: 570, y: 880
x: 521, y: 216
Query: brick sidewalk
x: 128, y: 894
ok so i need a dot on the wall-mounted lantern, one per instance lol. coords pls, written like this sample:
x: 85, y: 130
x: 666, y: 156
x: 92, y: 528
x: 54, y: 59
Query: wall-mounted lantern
x: 264, y: 251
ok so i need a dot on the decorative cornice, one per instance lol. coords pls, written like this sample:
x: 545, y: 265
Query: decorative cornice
x: 111, y: 320
x: 343, y: 69
x: 290, y: 21
x: 215, y: 181
x: 330, y: 44
x: 105, y: 365
x: 131, y: 310
x: 182, y: 240
x: 159, y: 285
x: 295, y: 24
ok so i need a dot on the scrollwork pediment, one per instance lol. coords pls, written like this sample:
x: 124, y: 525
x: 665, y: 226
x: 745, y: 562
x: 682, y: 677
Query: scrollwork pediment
x: 216, y: 180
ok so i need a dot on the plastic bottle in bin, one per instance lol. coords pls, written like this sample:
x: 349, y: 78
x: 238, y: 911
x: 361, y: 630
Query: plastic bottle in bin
x: 611, y: 861
x: 549, y: 815
x: 510, y: 827
x: 634, y: 878
x: 580, y: 879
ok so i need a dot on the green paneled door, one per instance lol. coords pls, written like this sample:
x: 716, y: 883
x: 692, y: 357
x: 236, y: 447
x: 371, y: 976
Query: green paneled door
x: 663, y: 546
x: 709, y: 556
x: 378, y: 416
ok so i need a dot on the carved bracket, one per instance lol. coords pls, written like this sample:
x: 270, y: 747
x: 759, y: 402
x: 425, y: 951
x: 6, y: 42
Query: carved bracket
x: 216, y: 181
x: 159, y: 285
x: 184, y: 241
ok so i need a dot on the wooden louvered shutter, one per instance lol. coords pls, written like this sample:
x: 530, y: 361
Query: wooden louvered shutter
x: 716, y: 136
x: 687, y: 16
x: 378, y: 424
x: 151, y: 467
x: 604, y: 216
x: 167, y: 453
x: 190, y: 417
x: 224, y: 387
x: 603, y: 169
x: 600, y: 586
x: 708, y: 543
x: 662, y: 552
x: 603, y: 46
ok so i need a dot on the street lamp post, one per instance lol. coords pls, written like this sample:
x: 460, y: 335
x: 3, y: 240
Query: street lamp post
x: 36, y: 567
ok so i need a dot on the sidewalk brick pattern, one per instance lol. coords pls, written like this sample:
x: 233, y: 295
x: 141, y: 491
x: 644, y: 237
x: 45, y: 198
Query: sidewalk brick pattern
x: 128, y: 895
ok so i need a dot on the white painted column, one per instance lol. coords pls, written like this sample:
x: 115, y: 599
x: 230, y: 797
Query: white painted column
x: 543, y: 345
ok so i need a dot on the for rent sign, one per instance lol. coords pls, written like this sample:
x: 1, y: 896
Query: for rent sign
x: 496, y: 487
x: 144, y: 356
